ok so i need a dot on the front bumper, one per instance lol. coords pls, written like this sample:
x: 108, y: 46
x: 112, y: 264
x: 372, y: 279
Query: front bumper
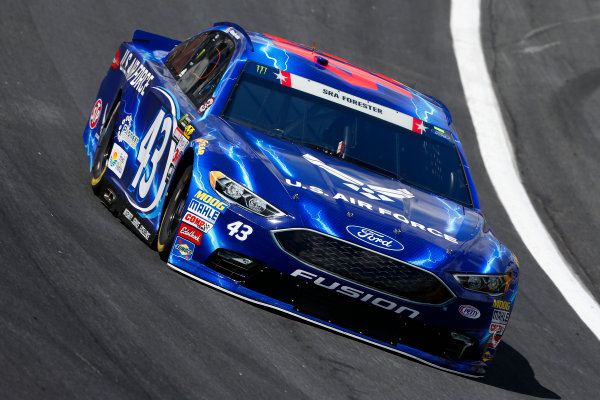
x: 437, y: 335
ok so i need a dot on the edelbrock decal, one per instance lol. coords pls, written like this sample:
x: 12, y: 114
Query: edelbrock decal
x: 190, y: 233
x: 374, y: 238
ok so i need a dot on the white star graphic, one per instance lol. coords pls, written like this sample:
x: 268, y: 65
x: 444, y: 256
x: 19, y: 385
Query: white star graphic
x: 421, y: 127
x: 280, y: 76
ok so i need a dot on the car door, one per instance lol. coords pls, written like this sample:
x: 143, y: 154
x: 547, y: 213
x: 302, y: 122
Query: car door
x: 156, y: 111
x: 144, y: 142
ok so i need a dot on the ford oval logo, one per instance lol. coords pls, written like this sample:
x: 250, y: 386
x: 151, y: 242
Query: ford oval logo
x: 469, y: 312
x: 374, y: 238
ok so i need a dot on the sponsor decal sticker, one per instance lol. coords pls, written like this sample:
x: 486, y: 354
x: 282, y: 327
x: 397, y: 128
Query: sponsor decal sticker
x: 135, y: 72
x: 202, y: 143
x: 233, y: 33
x: 210, y: 200
x: 183, y: 248
x: 204, y: 211
x: 190, y: 233
x: 195, y: 221
x: 487, y: 356
x: 188, y: 130
x: 261, y: 69
x: 502, y: 305
x: 206, y: 105
x: 117, y: 160
x: 441, y: 133
x: 126, y: 135
x: 500, y: 317
x: 182, y: 143
x: 374, y: 238
x: 496, y: 331
x: 136, y: 224
x: 95, y: 115
x: 184, y: 121
x: 469, y: 312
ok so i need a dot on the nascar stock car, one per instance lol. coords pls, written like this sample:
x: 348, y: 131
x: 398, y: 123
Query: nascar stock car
x: 296, y: 180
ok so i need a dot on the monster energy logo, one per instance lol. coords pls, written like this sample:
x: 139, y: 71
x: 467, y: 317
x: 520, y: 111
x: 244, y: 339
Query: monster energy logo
x: 261, y: 69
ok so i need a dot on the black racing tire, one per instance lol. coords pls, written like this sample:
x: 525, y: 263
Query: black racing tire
x: 173, y: 214
x: 105, y: 141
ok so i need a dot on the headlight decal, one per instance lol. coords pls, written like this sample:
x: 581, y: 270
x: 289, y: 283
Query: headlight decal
x: 238, y: 194
x: 492, y: 284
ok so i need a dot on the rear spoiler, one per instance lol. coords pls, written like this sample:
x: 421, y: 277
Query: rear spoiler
x: 157, y: 42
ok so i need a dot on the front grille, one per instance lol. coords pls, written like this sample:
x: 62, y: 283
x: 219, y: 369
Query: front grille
x: 363, y: 266
x: 359, y: 317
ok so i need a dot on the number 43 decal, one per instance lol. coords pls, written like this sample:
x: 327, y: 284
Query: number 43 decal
x: 242, y: 231
x: 151, y: 154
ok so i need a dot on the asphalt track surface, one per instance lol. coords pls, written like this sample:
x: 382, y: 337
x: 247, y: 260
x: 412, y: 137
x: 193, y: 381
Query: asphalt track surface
x: 88, y: 311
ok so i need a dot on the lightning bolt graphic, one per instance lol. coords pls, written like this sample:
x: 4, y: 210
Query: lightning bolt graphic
x: 425, y: 114
x: 310, y: 210
x: 430, y: 259
x: 236, y: 158
x: 454, y: 216
x: 268, y: 150
x: 266, y: 49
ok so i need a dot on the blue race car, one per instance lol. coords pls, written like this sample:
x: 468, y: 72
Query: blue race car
x: 296, y: 180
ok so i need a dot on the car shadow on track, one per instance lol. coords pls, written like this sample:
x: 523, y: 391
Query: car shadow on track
x: 511, y: 371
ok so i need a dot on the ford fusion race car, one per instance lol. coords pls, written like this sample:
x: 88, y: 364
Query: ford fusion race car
x: 296, y: 180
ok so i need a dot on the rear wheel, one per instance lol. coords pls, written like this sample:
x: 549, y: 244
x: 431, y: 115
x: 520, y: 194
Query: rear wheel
x: 172, y: 216
x: 103, y: 149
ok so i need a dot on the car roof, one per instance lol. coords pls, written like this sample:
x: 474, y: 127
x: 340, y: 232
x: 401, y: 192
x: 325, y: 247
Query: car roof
x: 343, y: 75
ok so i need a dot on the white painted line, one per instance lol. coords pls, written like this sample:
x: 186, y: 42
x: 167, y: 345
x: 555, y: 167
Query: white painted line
x: 497, y: 154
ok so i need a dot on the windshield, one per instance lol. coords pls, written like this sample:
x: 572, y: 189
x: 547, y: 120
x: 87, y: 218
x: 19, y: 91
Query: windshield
x: 364, y: 133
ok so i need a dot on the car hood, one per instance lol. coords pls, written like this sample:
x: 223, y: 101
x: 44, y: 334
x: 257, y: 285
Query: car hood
x: 335, y: 197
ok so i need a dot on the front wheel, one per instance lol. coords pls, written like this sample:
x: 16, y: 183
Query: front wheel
x: 173, y: 213
x: 103, y: 148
